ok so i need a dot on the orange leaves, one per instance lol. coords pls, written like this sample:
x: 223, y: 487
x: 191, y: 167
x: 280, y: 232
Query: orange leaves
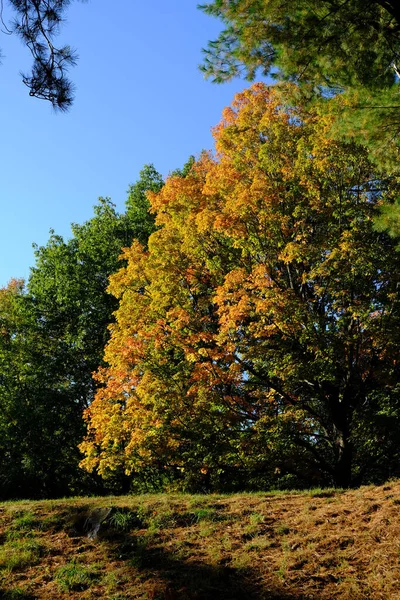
x: 263, y: 278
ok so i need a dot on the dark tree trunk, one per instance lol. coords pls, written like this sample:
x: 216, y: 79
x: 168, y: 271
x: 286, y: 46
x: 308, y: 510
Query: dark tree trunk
x: 341, y: 418
x: 343, y: 467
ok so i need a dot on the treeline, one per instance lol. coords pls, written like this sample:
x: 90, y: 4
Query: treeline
x: 248, y: 337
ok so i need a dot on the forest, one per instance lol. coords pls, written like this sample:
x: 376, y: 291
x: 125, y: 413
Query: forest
x: 237, y: 326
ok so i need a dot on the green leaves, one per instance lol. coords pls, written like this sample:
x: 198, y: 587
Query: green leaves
x: 137, y: 204
x: 326, y: 43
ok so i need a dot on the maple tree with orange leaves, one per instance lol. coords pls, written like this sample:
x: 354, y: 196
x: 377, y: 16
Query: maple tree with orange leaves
x: 257, y: 338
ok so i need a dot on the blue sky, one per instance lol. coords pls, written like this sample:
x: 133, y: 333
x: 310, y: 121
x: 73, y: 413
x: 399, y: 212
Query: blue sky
x: 140, y: 98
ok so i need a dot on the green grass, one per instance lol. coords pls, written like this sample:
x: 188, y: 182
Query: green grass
x: 206, y: 514
x: 17, y: 593
x: 22, y: 526
x: 123, y: 520
x: 76, y: 577
x: 25, y: 521
x: 18, y: 554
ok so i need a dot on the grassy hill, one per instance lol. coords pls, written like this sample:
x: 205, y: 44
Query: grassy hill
x: 319, y: 544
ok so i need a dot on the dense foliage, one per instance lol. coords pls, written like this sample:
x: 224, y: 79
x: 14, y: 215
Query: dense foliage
x: 53, y: 333
x: 39, y: 423
x: 256, y: 340
x: 327, y: 42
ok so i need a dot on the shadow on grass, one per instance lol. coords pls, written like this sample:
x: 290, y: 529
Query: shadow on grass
x: 179, y: 579
x: 15, y: 594
x: 163, y: 573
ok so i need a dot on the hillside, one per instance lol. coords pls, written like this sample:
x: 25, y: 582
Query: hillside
x: 315, y: 545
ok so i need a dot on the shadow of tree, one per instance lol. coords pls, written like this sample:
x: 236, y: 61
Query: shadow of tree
x: 161, y: 568
x: 180, y: 579
x: 15, y: 595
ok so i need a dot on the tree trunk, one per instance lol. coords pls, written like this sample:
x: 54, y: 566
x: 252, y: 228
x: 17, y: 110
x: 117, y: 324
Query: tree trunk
x: 342, y: 444
x: 343, y: 467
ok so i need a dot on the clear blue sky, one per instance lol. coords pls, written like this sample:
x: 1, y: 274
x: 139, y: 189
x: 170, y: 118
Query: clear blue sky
x: 140, y: 98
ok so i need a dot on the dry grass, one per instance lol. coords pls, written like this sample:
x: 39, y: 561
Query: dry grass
x: 286, y: 546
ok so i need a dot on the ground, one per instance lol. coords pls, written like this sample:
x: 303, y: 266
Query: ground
x: 321, y: 544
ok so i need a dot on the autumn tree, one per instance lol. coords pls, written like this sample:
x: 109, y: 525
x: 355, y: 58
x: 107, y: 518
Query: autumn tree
x: 257, y: 336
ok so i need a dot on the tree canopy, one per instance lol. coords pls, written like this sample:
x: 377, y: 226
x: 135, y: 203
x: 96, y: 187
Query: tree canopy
x: 258, y: 334
x: 325, y: 42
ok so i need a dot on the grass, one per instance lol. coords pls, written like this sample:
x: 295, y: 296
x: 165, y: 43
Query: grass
x: 123, y: 520
x: 320, y: 544
x: 75, y: 577
x: 19, y: 554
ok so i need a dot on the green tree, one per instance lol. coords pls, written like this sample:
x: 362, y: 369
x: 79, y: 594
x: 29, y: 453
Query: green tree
x: 137, y: 204
x: 38, y: 424
x: 187, y: 167
x: 325, y: 42
x: 67, y: 286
